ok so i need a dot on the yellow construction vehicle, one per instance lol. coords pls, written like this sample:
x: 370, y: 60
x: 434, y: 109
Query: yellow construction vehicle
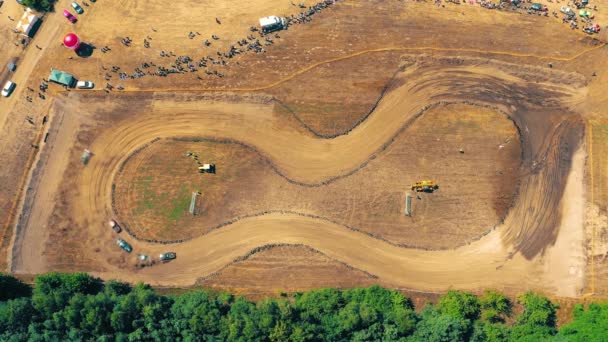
x: 425, y: 186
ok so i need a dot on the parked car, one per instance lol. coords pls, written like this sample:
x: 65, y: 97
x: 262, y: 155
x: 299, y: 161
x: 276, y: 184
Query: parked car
x: 567, y: 11
x: 20, y: 2
x: 168, y: 256
x: 85, y: 84
x: 115, y: 226
x: 8, y: 88
x: 70, y: 16
x: 11, y: 66
x: 585, y: 14
x: 77, y: 8
x: 538, y: 7
x: 124, y: 245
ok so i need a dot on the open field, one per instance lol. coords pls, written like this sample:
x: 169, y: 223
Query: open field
x: 316, y: 142
x: 153, y: 192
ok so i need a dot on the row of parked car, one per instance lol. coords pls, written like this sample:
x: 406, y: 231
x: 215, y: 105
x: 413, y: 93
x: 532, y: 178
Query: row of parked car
x: 128, y: 248
x: 10, y: 86
x: 76, y: 8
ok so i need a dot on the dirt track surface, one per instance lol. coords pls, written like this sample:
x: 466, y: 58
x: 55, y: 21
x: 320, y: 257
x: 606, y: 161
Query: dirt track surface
x: 64, y: 221
x: 370, y: 200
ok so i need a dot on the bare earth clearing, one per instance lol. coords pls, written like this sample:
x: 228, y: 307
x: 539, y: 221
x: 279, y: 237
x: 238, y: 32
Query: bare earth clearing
x: 316, y: 143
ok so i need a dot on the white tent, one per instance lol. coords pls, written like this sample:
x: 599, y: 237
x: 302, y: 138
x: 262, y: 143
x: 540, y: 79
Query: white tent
x: 28, y: 22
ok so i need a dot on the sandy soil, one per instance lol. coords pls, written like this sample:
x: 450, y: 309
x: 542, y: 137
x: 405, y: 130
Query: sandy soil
x: 567, y: 258
x: 64, y: 221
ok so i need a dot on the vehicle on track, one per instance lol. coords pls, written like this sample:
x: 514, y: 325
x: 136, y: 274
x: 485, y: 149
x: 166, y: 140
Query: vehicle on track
x: 77, y: 8
x: 85, y: 85
x: 69, y: 16
x: 115, y: 226
x: 11, y: 66
x: 124, y: 245
x: 168, y: 256
x: 8, y: 88
x: 86, y: 155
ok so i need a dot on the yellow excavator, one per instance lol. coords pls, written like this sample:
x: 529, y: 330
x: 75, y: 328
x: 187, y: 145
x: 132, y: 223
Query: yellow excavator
x: 425, y: 186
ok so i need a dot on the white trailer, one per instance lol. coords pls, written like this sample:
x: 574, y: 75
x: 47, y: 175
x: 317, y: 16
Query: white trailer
x: 207, y: 168
x: 272, y: 23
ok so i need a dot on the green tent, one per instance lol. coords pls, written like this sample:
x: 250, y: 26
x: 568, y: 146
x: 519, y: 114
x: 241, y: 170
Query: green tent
x: 61, y: 77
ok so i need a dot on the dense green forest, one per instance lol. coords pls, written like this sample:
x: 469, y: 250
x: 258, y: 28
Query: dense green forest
x: 78, y: 307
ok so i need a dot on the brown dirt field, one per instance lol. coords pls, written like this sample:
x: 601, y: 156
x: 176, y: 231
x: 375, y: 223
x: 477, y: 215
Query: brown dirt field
x: 285, y: 269
x: 346, y: 100
x: 64, y: 221
x: 245, y: 184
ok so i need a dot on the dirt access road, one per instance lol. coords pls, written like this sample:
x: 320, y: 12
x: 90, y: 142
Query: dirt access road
x: 65, y: 221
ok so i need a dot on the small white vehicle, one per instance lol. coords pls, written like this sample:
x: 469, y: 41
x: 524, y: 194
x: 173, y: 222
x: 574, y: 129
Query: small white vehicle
x: 8, y: 88
x: 77, y: 8
x: 85, y: 84
x: 567, y: 11
x: 115, y: 226
x: 167, y: 256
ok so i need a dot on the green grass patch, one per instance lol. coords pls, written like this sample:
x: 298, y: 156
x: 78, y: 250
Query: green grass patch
x: 147, y: 201
x: 169, y: 208
x: 600, y: 131
x: 179, y: 205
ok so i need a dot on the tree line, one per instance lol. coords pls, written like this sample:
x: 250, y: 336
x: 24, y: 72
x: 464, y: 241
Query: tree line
x: 40, y: 5
x: 78, y: 307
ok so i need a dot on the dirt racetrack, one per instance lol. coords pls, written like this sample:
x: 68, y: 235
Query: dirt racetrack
x: 154, y: 189
x: 323, y: 135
